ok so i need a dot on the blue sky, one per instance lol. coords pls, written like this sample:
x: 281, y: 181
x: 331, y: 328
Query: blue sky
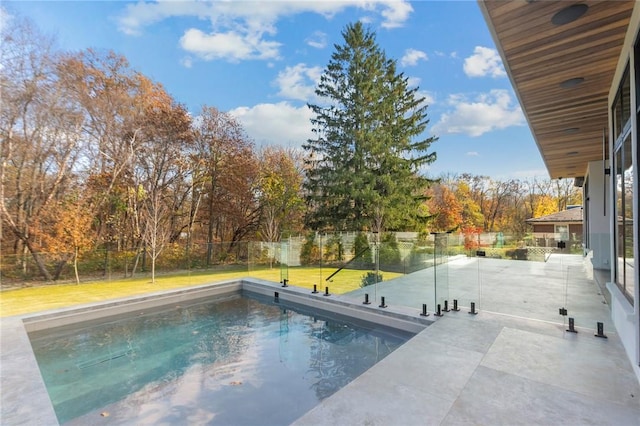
x: 260, y: 60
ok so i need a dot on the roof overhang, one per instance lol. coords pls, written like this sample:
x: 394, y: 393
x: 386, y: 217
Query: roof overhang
x: 561, y: 73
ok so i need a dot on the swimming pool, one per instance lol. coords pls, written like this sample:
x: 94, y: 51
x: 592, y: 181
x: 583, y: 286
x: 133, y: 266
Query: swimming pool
x: 228, y: 360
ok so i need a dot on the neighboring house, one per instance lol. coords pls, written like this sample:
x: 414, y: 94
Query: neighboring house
x: 560, y: 226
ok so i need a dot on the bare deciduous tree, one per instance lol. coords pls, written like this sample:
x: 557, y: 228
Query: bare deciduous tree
x: 40, y: 135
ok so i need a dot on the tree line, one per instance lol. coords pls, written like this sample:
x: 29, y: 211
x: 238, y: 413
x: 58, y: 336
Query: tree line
x: 476, y: 204
x: 95, y: 155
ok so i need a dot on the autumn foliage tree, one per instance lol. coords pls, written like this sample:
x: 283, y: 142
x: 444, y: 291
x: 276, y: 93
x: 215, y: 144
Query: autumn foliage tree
x: 280, y: 192
x: 476, y: 204
x: 225, y: 169
x: 545, y: 205
x: 165, y: 134
x: 65, y: 231
x: 41, y: 136
x: 445, y: 208
x: 105, y: 92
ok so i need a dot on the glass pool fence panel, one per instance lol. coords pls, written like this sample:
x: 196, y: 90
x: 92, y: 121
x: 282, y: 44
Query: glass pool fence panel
x: 462, y: 271
x: 379, y: 272
x: 265, y: 260
x: 284, y: 262
x: 366, y: 266
x: 94, y: 265
x: 348, y: 263
x: 399, y: 268
x: 440, y: 271
x: 521, y: 275
x: 584, y: 296
x: 182, y: 259
x: 300, y: 262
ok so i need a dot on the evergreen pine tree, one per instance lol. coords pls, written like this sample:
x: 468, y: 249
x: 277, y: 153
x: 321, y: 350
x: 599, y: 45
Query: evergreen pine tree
x: 364, y: 165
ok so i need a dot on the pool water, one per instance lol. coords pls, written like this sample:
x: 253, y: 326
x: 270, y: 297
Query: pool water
x: 236, y: 361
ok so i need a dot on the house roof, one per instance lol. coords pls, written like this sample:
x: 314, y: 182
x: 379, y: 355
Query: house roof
x: 561, y: 58
x: 565, y: 216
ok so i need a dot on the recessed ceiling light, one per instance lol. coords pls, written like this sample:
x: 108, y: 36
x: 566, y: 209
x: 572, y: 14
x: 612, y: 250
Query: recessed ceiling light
x: 571, y: 130
x: 570, y: 153
x: 569, y: 14
x: 572, y: 82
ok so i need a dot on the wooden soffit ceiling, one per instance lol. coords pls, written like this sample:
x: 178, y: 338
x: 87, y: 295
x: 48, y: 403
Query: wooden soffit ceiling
x: 543, y: 57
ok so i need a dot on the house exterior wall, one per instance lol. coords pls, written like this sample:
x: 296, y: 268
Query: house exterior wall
x: 625, y: 311
x: 596, y: 217
x: 576, y: 228
x: 546, y: 228
x: 545, y: 235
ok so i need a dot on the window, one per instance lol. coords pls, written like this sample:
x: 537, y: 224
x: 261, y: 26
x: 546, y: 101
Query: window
x: 624, y: 177
x: 621, y: 110
x: 562, y: 232
x: 626, y: 98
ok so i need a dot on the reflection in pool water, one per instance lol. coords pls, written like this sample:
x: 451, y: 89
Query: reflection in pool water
x: 237, y: 361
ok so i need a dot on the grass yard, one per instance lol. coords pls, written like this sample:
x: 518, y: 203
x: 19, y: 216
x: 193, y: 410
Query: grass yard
x: 52, y: 296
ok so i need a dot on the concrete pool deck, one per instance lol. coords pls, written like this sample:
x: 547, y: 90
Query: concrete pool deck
x: 514, y: 366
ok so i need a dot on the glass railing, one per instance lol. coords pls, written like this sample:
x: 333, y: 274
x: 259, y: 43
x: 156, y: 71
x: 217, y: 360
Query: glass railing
x: 530, y: 277
x: 401, y: 269
x: 551, y: 282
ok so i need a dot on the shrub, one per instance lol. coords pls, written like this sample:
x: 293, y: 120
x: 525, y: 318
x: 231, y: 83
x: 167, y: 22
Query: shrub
x: 517, y: 254
x: 310, y: 253
x: 419, y: 258
x: 334, y: 249
x: 360, y: 246
x: 389, y: 255
x: 371, y: 278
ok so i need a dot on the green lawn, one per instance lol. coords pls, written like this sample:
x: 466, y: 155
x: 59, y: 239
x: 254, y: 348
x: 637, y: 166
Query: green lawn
x: 52, y: 296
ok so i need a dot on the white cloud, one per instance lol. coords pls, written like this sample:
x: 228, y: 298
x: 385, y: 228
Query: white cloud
x: 249, y: 27
x: 396, y: 13
x: 473, y: 154
x: 276, y: 124
x: 412, y: 56
x: 138, y: 15
x: 367, y: 20
x: 231, y: 46
x: 484, y: 61
x: 318, y: 40
x: 488, y: 112
x: 298, y: 82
